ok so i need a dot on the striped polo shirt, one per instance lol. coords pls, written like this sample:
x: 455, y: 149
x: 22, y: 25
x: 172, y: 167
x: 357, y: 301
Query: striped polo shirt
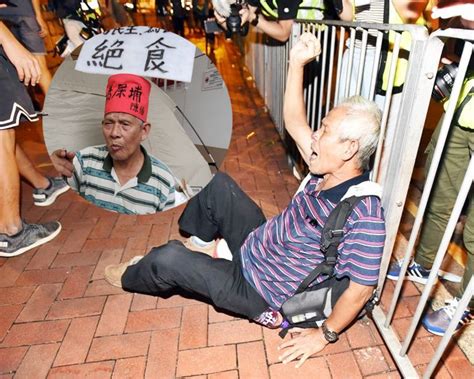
x: 94, y: 178
x: 277, y: 256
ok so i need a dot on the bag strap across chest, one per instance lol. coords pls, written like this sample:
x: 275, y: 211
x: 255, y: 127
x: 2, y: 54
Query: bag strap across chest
x: 331, y: 237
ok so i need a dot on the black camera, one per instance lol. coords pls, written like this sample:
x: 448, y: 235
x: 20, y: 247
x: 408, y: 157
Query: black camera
x: 233, y: 22
x: 444, y: 81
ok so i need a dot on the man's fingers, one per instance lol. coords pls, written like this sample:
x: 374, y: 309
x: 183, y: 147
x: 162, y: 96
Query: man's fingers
x: 286, y: 344
x: 302, y: 360
x: 20, y: 72
x: 291, y: 355
x: 37, y: 70
x: 27, y: 77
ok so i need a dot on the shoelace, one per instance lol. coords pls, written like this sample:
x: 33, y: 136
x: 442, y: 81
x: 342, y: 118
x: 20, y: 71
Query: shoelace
x: 268, y: 318
x: 450, y: 309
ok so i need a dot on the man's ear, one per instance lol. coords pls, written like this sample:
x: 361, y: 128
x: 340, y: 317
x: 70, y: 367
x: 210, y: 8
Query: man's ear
x: 352, y: 147
x: 146, y: 127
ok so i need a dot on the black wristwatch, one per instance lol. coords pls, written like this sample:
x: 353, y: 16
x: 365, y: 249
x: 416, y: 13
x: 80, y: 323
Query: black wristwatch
x: 330, y: 335
x: 255, y: 20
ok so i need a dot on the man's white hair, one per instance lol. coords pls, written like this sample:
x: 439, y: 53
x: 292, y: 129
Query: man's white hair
x: 361, y: 123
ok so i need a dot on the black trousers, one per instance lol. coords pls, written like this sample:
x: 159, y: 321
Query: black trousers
x: 220, y: 209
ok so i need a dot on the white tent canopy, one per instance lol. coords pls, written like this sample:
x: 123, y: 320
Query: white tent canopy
x: 75, y: 108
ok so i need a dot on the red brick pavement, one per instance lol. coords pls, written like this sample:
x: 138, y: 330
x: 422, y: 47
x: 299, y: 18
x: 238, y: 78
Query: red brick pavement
x: 60, y: 319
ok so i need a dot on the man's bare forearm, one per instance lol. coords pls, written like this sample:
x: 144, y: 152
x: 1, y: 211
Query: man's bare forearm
x: 294, y: 111
x: 279, y: 30
x: 349, y: 306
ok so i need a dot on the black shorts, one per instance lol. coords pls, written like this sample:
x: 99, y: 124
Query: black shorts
x: 15, y: 103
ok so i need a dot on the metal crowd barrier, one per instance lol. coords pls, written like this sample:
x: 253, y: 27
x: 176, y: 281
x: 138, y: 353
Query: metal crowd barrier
x: 433, y: 52
x: 348, y: 65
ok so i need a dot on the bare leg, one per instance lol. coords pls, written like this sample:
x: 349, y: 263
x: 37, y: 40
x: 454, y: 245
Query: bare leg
x: 45, y: 80
x: 10, y: 222
x: 29, y: 171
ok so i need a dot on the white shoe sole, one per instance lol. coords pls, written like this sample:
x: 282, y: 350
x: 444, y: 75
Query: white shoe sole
x: 411, y: 278
x: 36, y: 244
x: 52, y: 199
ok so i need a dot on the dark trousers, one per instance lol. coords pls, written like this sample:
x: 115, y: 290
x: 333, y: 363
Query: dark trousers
x: 220, y: 209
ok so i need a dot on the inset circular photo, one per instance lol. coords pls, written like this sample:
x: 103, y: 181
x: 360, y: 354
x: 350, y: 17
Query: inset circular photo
x: 131, y: 143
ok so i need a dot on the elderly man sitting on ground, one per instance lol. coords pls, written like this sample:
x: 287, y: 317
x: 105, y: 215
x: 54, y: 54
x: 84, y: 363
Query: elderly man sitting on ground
x: 272, y: 257
x: 120, y: 176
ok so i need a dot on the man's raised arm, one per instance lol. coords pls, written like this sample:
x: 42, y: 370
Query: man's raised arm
x: 306, y: 49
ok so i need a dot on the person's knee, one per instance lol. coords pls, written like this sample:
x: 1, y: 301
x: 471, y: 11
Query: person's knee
x: 221, y: 181
x: 165, y: 256
x: 7, y: 139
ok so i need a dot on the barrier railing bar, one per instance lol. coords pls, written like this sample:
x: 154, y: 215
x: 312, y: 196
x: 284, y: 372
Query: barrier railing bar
x: 458, y: 205
x: 468, y: 293
x: 373, y: 79
x: 431, y: 172
x: 349, y: 63
x: 316, y: 79
x: 307, y: 89
x: 386, y: 108
x: 393, y: 345
x: 417, y: 32
x: 342, y: 34
x: 323, y: 71
x: 331, y: 65
x: 419, y: 82
x: 363, y: 52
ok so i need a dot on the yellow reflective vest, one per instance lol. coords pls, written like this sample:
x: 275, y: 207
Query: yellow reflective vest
x: 405, y: 45
x: 464, y: 115
x: 311, y: 10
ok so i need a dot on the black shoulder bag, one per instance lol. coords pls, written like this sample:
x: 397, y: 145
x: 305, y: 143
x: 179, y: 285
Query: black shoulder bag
x: 312, y: 304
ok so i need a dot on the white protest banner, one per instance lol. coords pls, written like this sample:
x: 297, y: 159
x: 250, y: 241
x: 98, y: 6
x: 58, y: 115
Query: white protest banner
x: 140, y: 50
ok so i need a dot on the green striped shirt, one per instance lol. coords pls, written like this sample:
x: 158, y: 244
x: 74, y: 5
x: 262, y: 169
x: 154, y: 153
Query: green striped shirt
x: 94, y: 178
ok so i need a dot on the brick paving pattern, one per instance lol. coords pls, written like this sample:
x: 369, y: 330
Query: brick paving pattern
x: 60, y: 319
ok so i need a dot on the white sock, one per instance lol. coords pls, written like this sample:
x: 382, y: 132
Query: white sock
x: 200, y: 242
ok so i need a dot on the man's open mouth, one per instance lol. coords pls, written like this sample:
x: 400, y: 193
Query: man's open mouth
x: 115, y: 148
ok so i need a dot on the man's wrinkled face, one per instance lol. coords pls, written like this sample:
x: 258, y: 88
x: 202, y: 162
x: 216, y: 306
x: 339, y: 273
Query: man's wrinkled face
x: 123, y: 134
x: 327, y: 154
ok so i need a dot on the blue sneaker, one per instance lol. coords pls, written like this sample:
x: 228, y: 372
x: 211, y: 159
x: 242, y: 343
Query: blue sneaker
x: 415, y: 272
x: 438, y: 321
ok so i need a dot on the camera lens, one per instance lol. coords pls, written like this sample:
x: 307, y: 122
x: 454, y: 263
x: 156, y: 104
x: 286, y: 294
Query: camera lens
x: 444, y: 81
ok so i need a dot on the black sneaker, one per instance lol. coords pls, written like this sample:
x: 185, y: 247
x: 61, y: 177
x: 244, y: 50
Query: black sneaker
x: 31, y: 236
x: 45, y: 197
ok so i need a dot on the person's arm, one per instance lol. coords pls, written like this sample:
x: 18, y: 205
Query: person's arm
x: 310, y: 341
x: 294, y: 111
x: 26, y: 65
x: 410, y: 10
x: 62, y: 162
x: 347, y: 13
x: 279, y: 30
x: 39, y: 18
x: 362, y: 258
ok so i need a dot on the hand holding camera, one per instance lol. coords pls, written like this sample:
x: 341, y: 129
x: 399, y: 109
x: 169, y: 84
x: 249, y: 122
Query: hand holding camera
x: 233, y: 16
x: 444, y: 81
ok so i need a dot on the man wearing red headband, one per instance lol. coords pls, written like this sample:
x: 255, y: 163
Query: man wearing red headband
x: 120, y: 176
